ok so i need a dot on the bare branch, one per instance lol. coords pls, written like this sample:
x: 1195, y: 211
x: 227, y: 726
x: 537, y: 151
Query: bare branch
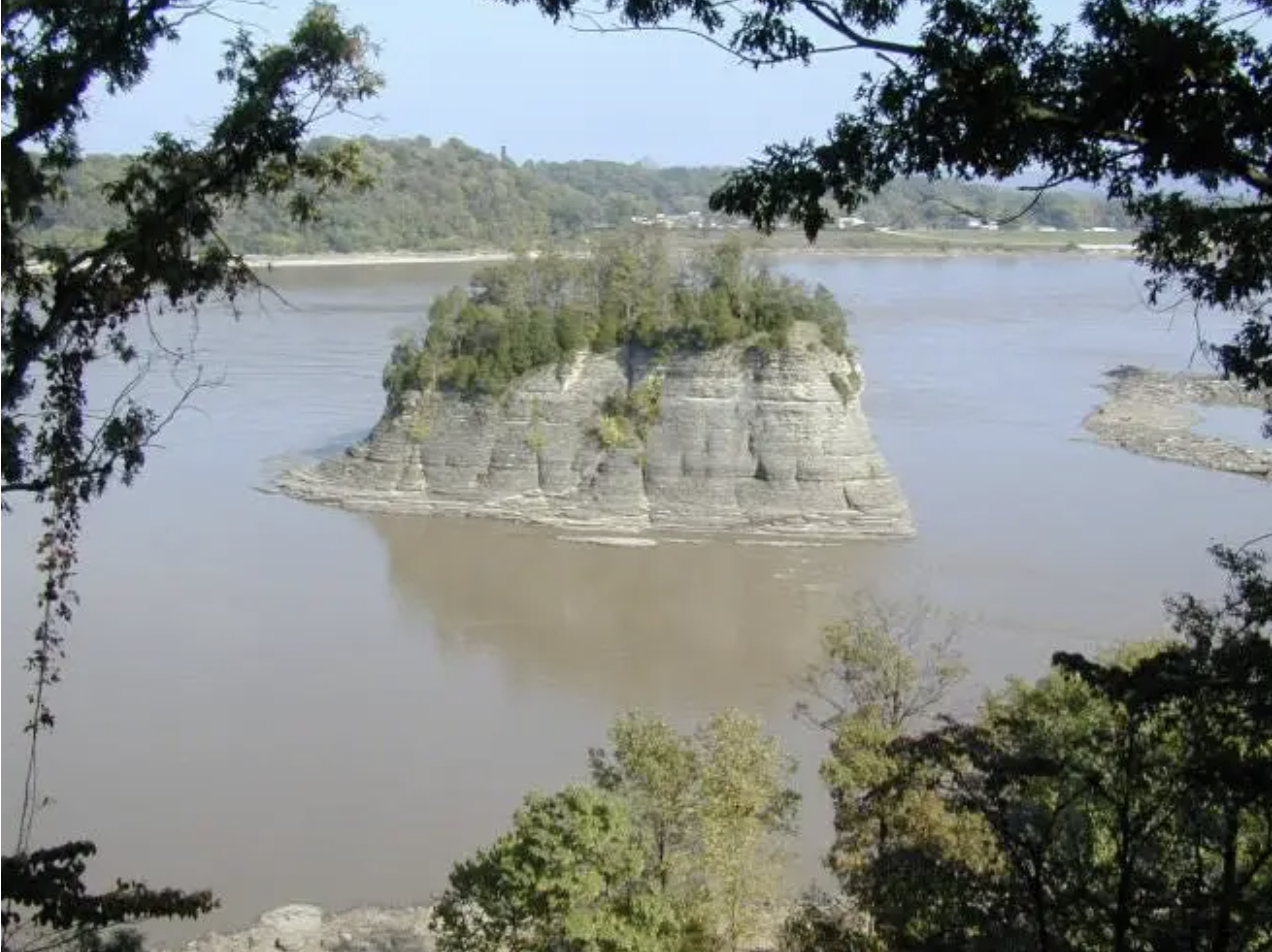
x: 745, y: 58
x: 1257, y: 540
x: 831, y: 17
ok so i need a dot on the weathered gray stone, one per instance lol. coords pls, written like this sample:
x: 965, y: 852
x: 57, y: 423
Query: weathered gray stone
x: 745, y: 442
x: 1151, y: 413
x: 304, y: 928
x: 292, y: 927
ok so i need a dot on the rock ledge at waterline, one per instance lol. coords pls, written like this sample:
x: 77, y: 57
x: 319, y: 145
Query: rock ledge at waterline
x: 745, y: 441
x: 1154, y: 414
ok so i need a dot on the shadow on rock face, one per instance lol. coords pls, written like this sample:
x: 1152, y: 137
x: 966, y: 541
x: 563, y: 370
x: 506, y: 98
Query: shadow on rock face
x: 689, y: 624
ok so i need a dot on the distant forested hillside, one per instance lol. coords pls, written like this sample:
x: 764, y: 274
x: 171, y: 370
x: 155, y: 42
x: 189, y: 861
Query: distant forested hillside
x: 452, y: 196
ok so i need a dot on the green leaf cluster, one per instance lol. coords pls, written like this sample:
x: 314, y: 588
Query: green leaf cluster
x: 675, y: 846
x: 627, y: 417
x: 571, y: 874
x: 538, y: 311
x: 615, y: 431
x: 1123, y: 803
x: 718, y: 807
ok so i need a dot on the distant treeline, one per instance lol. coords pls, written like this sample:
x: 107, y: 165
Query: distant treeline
x: 452, y: 196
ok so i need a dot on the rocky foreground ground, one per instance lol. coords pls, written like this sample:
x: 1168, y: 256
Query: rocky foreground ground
x: 305, y: 928
x: 1156, y: 414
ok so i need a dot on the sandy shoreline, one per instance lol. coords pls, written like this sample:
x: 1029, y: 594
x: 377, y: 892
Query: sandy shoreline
x: 362, y: 259
x: 376, y: 259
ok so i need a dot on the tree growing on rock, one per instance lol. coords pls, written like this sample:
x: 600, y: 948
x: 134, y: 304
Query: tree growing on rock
x: 526, y: 314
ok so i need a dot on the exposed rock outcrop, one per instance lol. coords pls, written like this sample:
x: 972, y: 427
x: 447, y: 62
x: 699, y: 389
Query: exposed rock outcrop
x: 743, y: 440
x: 1154, y: 414
x: 305, y: 928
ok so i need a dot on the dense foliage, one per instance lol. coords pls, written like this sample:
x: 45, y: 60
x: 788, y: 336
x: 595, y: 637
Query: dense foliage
x: 68, y: 308
x: 537, y: 311
x: 1119, y: 805
x: 573, y: 874
x: 1165, y: 106
x: 622, y: 190
x: 1122, y: 804
x: 676, y: 846
x: 450, y: 195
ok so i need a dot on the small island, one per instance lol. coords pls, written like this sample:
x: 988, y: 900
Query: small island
x: 626, y: 391
x: 1154, y: 413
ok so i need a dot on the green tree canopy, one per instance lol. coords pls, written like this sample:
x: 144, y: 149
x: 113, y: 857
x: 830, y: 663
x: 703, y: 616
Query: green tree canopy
x: 449, y: 195
x: 571, y: 874
x: 536, y: 311
x: 675, y: 846
x: 1120, y: 804
x: 716, y: 807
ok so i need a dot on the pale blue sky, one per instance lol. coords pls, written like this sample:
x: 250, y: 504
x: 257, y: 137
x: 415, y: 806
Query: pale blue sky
x: 495, y: 75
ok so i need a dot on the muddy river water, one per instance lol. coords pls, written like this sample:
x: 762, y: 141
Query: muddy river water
x: 288, y: 703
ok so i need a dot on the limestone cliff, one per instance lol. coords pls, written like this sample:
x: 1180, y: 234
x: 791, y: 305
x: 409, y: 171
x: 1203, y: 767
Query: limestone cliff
x: 743, y: 440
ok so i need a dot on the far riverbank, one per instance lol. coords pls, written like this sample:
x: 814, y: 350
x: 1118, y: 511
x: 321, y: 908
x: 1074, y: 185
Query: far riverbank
x: 876, y: 244
x: 359, y: 259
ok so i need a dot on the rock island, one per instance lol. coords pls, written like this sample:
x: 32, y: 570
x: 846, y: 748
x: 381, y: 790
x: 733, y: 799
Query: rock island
x: 623, y: 393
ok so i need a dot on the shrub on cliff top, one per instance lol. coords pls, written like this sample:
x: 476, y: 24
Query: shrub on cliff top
x: 534, y: 312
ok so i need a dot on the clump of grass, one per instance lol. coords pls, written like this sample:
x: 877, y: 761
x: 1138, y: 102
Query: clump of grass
x: 536, y: 439
x: 615, y: 432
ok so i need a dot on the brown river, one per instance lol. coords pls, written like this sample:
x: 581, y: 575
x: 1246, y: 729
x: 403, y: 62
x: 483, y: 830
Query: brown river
x: 288, y: 703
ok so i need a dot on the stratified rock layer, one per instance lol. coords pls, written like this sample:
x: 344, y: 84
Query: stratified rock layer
x: 744, y: 441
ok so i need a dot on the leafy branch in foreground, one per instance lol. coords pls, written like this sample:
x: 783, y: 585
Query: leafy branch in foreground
x: 67, y: 309
x: 1116, y: 804
x: 47, y: 906
x: 1166, y: 107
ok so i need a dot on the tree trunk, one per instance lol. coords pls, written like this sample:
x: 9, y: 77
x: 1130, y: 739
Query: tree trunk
x: 1222, y: 939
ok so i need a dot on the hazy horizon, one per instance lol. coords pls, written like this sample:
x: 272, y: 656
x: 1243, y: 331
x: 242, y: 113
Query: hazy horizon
x: 498, y: 76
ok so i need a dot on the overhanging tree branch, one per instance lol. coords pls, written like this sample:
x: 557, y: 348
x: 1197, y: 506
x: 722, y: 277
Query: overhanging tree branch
x: 65, y: 309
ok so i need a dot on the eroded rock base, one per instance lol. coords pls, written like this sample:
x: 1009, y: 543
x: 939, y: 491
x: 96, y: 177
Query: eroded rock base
x: 745, y: 442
